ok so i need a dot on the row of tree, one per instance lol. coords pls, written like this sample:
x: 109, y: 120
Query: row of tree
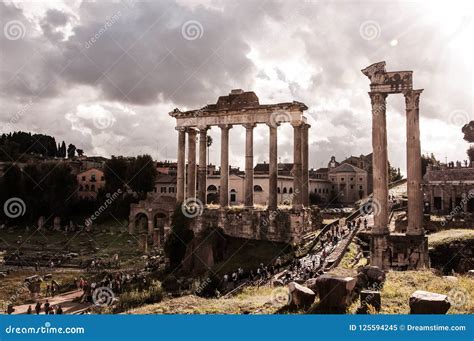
x: 45, y: 189
x: 50, y: 189
x: 17, y: 144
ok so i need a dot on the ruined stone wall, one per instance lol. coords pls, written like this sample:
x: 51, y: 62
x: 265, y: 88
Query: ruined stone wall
x: 281, y: 225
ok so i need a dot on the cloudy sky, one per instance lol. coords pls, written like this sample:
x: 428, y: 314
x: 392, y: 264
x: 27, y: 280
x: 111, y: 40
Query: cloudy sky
x: 104, y: 75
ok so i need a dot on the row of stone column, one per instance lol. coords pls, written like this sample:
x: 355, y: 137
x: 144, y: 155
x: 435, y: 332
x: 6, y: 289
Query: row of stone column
x: 300, y: 170
x: 380, y: 163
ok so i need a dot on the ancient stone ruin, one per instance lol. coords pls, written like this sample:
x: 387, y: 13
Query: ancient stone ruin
x: 243, y: 108
x: 400, y: 251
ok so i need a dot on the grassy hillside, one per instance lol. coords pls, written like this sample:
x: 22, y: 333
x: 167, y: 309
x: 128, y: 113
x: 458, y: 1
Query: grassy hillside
x: 250, y: 301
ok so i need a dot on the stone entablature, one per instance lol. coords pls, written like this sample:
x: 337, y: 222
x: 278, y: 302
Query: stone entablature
x: 243, y: 112
x: 385, y: 82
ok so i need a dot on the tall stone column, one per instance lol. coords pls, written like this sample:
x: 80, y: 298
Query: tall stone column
x: 224, y: 190
x: 465, y: 198
x: 248, y: 199
x: 297, y: 165
x: 191, y: 178
x: 414, y: 179
x: 273, y: 167
x: 453, y: 198
x: 432, y: 196
x: 305, y: 164
x: 181, y: 164
x: 202, y: 171
x: 380, y: 231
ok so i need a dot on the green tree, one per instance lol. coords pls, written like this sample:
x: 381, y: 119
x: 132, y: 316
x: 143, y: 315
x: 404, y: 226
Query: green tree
x: 394, y: 173
x: 468, y: 131
x: 62, y: 152
x: 71, y: 151
x: 142, y: 175
x: 115, y: 174
x: 470, y: 153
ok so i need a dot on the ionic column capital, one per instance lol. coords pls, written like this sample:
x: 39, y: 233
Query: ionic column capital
x: 180, y: 129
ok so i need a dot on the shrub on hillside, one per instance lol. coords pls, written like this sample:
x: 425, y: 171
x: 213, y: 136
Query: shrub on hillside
x: 135, y: 298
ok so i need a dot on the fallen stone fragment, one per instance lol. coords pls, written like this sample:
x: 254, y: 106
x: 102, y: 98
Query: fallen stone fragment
x: 425, y: 302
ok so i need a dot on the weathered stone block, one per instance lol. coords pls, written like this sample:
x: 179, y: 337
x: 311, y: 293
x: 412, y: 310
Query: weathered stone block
x: 301, y: 296
x: 425, y: 302
x: 374, y: 276
x: 335, y: 291
x: 371, y: 297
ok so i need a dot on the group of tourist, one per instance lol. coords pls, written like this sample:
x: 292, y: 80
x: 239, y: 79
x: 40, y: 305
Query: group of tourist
x: 118, y: 282
x: 52, y: 289
x: 254, y: 276
x: 47, y: 308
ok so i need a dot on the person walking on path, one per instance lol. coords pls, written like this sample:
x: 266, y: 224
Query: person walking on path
x: 38, y: 308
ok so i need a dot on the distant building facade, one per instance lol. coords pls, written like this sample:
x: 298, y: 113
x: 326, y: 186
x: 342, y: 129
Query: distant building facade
x: 449, y: 190
x: 347, y: 183
x: 90, y: 182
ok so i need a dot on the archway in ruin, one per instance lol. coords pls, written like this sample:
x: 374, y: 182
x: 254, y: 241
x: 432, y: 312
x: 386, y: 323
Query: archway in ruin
x: 141, y: 223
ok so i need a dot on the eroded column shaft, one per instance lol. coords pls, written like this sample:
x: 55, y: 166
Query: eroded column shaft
x: 248, y: 199
x: 191, y: 178
x: 297, y: 165
x: 202, y: 171
x: 273, y: 168
x: 305, y: 165
x: 181, y: 165
x: 224, y: 190
x: 414, y: 178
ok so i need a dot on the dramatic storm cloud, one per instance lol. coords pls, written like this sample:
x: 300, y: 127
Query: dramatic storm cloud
x: 104, y: 75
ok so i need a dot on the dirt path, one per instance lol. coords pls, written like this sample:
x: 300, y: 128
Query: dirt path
x: 66, y: 300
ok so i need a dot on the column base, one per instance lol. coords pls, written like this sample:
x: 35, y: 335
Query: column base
x: 380, y: 251
x: 409, y: 252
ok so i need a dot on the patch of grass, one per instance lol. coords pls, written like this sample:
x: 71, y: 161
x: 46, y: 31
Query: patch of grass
x: 448, y: 236
x: 349, y: 257
x: 251, y: 301
x: 400, y: 285
x: 135, y: 298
